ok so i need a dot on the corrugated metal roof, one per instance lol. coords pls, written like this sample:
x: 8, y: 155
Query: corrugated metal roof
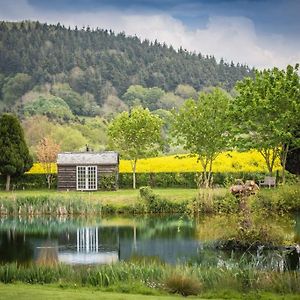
x: 88, y: 158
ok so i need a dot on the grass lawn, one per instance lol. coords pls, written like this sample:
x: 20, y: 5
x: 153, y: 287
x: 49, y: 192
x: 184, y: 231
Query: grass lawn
x: 21, y: 291
x: 46, y: 292
x: 118, y: 197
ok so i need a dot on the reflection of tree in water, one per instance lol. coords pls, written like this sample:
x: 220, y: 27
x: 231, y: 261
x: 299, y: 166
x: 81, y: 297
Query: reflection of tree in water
x: 297, y: 228
x: 168, y: 227
x: 48, y: 254
x: 15, y: 247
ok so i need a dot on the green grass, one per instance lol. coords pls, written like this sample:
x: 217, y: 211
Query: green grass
x: 49, y: 292
x: 118, y: 197
x: 45, y: 202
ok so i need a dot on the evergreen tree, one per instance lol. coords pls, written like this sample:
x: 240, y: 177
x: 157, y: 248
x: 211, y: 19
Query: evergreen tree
x: 15, y: 158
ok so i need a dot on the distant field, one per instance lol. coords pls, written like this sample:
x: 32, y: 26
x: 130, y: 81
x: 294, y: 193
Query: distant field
x: 231, y: 161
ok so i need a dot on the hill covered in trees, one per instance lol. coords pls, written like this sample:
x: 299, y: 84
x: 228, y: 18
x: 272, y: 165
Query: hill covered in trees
x: 68, y: 83
x: 95, y: 64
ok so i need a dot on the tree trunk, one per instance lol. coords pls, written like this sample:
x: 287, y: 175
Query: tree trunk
x: 210, y: 173
x: 49, y: 181
x: 133, y: 174
x: 204, y: 178
x: 269, y: 156
x: 283, y: 161
x: 7, y: 182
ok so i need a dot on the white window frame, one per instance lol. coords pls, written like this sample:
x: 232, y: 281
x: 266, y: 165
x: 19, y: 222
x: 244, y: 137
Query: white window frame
x: 87, y: 185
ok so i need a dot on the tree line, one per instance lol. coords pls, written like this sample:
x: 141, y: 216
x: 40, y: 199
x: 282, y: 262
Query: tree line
x: 92, y: 63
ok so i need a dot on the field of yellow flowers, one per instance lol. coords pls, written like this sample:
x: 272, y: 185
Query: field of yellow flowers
x: 231, y: 161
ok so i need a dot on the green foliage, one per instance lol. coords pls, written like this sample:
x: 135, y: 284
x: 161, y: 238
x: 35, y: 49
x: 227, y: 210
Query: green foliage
x: 51, y: 106
x: 136, y: 134
x: 204, y: 128
x: 69, y: 138
x: 282, y: 199
x: 169, y: 101
x: 266, y: 112
x: 186, y: 91
x: 14, y: 158
x: 92, y: 60
x: 217, y: 282
x: 107, y: 182
x: 82, y: 105
x: 146, y: 97
x: 72, y: 136
x: 258, y: 234
x: 156, y: 204
x: 14, y: 88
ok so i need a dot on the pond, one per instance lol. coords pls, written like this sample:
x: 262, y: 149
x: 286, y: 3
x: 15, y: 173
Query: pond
x: 171, y: 239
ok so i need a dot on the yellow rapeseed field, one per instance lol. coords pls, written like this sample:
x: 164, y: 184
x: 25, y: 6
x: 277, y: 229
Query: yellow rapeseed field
x: 231, y: 161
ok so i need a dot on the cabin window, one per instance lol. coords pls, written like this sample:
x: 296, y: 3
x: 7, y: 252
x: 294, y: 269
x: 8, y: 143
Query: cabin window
x: 86, y: 178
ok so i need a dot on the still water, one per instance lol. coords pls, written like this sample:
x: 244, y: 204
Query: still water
x: 171, y: 239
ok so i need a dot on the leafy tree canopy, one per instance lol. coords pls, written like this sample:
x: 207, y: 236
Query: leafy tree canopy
x: 136, y: 134
x: 203, y: 127
x: 95, y: 60
x: 266, y: 111
x: 52, y: 106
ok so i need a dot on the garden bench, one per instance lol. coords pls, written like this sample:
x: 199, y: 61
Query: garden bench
x: 268, y: 181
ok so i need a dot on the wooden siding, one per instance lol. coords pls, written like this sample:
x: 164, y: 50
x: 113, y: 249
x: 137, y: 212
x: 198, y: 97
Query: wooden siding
x: 66, y: 178
x: 66, y: 175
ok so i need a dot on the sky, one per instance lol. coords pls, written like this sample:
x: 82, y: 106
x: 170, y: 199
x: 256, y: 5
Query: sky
x: 259, y: 33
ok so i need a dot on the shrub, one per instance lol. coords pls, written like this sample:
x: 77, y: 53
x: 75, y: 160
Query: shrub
x: 282, y: 199
x: 155, y: 204
x: 107, y: 182
x: 182, y: 284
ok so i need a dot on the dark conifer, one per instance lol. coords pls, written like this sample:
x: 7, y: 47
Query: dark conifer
x: 14, y: 154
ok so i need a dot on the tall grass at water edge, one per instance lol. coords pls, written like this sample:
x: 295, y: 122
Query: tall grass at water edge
x: 242, y: 278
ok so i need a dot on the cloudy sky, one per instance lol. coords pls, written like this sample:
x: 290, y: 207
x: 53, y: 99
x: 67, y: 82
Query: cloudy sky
x: 260, y: 33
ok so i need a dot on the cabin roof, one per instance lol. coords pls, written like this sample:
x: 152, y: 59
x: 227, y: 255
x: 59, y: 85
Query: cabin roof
x: 88, y: 158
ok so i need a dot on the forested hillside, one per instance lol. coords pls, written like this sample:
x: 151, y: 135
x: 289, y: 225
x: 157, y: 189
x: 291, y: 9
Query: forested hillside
x: 97, y: 61
x: 68, y: 83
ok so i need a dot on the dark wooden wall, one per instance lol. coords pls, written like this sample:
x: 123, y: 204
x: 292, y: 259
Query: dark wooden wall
x: 66, y: 178
x: 66, y: 175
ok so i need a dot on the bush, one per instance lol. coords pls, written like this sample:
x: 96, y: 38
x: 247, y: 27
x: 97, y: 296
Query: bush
x: 29, y: 182
x: 183, y: 285
x: 283, y: 199
x: 155, y: 204
x: 107, y: 182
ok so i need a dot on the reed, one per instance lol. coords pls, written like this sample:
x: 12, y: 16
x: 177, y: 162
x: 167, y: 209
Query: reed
x: 241, y: 277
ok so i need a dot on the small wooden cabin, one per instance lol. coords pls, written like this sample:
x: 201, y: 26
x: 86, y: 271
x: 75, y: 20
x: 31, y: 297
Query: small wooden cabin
x: 84, y: 171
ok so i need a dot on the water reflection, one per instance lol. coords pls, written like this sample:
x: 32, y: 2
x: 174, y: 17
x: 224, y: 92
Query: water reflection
x: 171, y: 239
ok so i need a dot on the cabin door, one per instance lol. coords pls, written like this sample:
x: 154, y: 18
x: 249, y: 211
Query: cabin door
x: 86, y: 178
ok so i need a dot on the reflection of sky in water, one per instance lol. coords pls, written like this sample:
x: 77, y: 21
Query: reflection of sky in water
x: 79, y: 241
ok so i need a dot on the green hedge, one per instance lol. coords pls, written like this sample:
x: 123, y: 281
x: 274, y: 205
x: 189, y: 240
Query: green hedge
x: 28, y: 182
x: 158, y: 180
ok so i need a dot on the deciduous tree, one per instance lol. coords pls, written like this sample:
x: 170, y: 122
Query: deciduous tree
x: 136, y: 134
x: 203, y: 127
x: 47, y: 151
x: 266, y: 111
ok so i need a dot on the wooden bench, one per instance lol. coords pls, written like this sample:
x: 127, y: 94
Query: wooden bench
x: 268, y: 181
